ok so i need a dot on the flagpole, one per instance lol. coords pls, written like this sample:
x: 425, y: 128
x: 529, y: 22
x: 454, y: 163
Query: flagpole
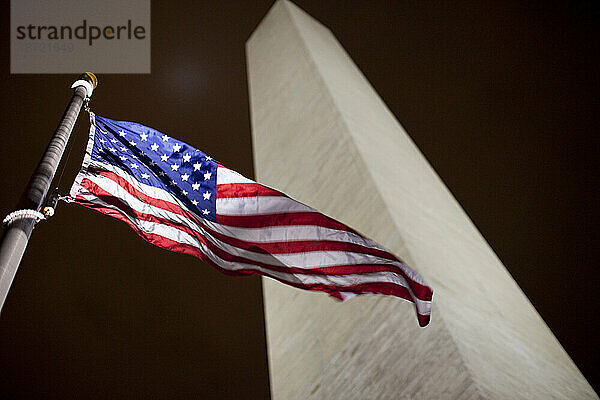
x: 20, y: 223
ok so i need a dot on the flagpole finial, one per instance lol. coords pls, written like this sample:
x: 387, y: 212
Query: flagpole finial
x: 90, y: 75
x: 88, y: 80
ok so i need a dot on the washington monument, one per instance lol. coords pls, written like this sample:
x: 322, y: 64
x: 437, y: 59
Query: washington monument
x: 322, y: 135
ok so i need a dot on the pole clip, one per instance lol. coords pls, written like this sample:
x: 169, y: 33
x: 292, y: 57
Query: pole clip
x: 53, y: 199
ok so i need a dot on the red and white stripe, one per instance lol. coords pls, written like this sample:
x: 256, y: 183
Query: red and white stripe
x: 258, y: 231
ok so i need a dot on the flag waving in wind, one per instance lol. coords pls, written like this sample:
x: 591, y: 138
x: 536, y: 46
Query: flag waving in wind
x: 180, y: 199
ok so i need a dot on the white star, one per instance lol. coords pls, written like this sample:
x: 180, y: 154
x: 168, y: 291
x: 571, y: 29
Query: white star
x: 134, y: 166
x: 206, y: 195
x: 145, y: 176
x: 102, y: 140
x: 123, y: 158
x: 154, y: 147
x: 132, y: 143
x: 112, y: 149
x: 122, y: 133
x: 161, y: 173
x: 164, y: 157
x: 176, y: 147
x: 184, y: 177
x: 174, y: 167
x: 124, y: 149
x: 172, y: 183
x: 114, y: 140
x: 186, y: 158
x: 196, y: 186
x: 144, y: 137
x: 197, y: 166
x: 208, y: 158
x: 194, y: 202
x: 205, y: 212
x: 183, y: 192
x: 165, y: 138
x: 207, y: 176
x: 152, y: 163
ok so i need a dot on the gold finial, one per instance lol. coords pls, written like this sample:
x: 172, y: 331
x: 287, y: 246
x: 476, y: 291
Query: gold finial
x: 91, y: 77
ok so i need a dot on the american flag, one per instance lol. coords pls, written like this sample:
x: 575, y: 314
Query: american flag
x: 178, y: 198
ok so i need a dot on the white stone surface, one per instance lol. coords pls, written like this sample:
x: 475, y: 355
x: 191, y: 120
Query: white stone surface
x: 323, y: 136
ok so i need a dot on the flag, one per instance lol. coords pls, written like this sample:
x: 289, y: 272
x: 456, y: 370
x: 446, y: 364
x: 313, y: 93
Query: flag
x: 178, y: 198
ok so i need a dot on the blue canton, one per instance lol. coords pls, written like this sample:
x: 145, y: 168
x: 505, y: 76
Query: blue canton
x: 158, y: 160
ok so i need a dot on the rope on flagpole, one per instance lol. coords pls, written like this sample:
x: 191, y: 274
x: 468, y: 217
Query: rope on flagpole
x: 55, y: 197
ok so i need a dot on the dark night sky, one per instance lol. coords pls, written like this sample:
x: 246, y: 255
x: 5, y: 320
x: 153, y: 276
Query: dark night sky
x: 499, y: 96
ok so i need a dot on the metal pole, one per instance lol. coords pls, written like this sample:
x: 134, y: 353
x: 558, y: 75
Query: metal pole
x: 18, y: 230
